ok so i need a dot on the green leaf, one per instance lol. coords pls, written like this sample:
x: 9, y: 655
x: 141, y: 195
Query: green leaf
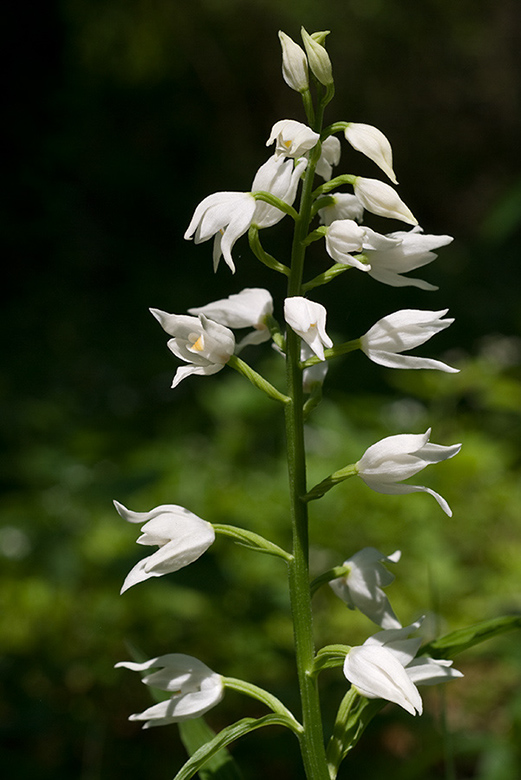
x: 354, y: 713
x: 221, y: 740
x: 194, y: 734
x: 451, y: 644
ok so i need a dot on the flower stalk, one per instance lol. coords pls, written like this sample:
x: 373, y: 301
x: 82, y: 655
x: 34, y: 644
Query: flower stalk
x: 312, y: 739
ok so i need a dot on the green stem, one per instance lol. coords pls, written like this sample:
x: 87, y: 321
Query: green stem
x: 312, y: 739
x: 256, y: 379
x: 265, y: 697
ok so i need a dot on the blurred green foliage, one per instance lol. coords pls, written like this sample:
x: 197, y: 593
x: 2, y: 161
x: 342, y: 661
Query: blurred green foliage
x: 123, y: 115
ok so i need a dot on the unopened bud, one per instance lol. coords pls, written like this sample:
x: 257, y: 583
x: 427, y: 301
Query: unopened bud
x: 318, y: 57
x: 294, y: 64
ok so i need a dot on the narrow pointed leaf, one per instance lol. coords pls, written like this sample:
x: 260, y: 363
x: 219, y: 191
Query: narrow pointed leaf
x: 222, y: 766
x: 224, y: 738
x: 451, y: 644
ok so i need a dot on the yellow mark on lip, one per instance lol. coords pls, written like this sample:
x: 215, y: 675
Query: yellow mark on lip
x: 198, y: 346
x: 287, y: 144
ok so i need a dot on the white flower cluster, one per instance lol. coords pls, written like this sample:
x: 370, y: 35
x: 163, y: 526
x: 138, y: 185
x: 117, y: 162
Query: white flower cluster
x: 387, y: 665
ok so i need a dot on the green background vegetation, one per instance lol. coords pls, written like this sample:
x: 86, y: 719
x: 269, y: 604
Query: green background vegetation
x: 123, y: 115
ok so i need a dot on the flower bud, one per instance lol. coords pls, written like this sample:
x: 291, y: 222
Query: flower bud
x: 318, y: 57
x: 294, y: 64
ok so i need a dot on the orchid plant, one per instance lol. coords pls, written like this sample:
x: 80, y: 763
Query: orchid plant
x: 391, y: 664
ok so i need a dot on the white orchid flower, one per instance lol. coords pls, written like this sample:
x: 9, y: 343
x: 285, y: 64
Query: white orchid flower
x: 204, y: 344
x: 292, y: 138
x: 318, y: 57
x: 329, y: 157
x: 247, y: 309
x: 380, y: 198
x: 343, y: 237
x: 181, y: 536
x: 384, y: 667
x: 280, y: 177
x: 386, y: 463
x: 373, y: 143
x: 226, y: 216
x: 344, y: 206
x: 405, y: 329
x: 361, y: 587
x: 308, y: 320
x: 294, y: 64
x: 411, y: 249
x: 312, y: 376
x: 195, y: 688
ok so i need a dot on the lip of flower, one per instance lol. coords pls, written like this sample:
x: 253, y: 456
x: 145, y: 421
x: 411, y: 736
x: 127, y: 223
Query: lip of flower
x: 395, y: 458
x: 293, y: 139
x: 203, y: 343
x: 195, y: 687
x: 401, y: 331
x: 182, y: 537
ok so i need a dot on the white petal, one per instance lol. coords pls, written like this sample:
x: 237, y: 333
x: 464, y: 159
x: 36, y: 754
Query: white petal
x: 404, y: 443
x: 392, y: 360
x: 377, y: 674
x: 431, y: 671
x: 373, y: 143
x: 380, y: 198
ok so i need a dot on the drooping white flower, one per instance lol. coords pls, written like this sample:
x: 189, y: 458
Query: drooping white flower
x: 405, y: 329
x: 412, y: 249
x: 205, y: 345
x: 329, y: 157
x: 343, y: 237
x: 361, y: 587
x: 318, y: 57
x: 312, y: 376
x: 181, y: 536
x: 308, y: 320
x: 380, y: 198
x: 292, y: 138
x: 247, y: 309
x: 344, y: 206
x: 226, y: 216
x: 279, y: 177
x: 373, y: 143
x: 384, y: 667
x: 195, y: 688
x: 294, y: 64
x: 386, y: 463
